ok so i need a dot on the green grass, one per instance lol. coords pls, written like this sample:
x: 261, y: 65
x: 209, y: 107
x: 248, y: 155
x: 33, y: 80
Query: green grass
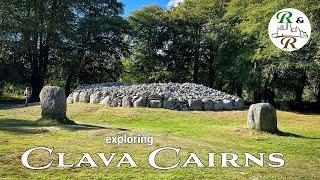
x: 198, y: 132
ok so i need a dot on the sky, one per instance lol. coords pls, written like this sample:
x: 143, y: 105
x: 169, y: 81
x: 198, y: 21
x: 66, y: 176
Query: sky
x: 131, y: 5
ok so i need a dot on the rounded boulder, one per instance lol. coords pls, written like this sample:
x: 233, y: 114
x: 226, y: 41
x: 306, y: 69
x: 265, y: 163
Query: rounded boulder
x: 53, y: 103
x: 262, y: 117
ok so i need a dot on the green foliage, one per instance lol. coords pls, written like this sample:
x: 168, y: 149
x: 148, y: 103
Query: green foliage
x: 12, y: 90
x: 224, y: 45
x: 221, y: 44
x: 61, y: 42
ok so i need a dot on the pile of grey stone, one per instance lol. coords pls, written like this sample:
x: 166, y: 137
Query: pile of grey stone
x: 174, y: 96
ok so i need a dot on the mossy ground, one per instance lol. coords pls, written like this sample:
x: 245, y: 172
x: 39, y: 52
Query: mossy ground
x: 199, y: 132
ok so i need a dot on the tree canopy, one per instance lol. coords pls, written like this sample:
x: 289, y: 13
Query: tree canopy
x: 221, y: 44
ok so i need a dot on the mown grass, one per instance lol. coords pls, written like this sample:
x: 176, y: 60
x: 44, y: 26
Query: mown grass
x: 199, y: 132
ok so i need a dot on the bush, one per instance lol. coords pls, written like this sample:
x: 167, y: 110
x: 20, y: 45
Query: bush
x: 10, y: 89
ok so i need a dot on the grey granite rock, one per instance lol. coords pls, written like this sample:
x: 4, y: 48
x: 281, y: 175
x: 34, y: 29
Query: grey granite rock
x: 173, y: 96
x: 262, y: 117
x: 140, y: 102
x: 195, y: 105
x: 53, y: 103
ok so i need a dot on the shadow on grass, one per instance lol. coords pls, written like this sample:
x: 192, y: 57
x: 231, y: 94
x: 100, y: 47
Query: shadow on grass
x: 287, y: 134
x: 15, y: 106
x: 42, y: 126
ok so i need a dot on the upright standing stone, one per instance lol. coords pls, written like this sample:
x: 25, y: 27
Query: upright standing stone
x: 53, y: 103
x: 84, y: 97
x: 140, y: 102
x: 106, y: 101
x: 127, y: 102
x: 238, y: 103
x: 155, y: 103
x: 208, y: 105
x: 195, y: 105
x: 227, y: 104
x: 75, y: 96
x: 262, y: 117
x: 218, y: 105
x: 95, y: 98
x: 70, y: 99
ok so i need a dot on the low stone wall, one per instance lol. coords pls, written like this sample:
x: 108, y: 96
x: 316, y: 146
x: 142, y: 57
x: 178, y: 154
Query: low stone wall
x: 174, y: 96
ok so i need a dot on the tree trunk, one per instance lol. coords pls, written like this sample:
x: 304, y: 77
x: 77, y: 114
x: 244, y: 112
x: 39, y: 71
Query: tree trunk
x: 37, y: 82
x: 211, y: 70
x: 39, y: 72
x: 196, y: 68
x: 318, y: 96
x: 257, y: 96
x: 299, y: 89
x: 196, y: 61
x: 68, y: 84
x: 239, y: 91
x: 269, y: 96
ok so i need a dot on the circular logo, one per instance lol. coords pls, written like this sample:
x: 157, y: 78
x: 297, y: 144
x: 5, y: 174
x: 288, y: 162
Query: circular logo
x: 289, y: 29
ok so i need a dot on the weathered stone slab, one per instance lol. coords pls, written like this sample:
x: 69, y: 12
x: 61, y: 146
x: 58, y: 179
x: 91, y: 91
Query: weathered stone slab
x: 140, y: 102
x: 262, y: 117
x: 84, y: 97
x: 155, y: 103
x: 195, y: 105
x: 238, y: 104
x: 70, y: 100
x: 75, y: 96
x: 227, y: 104
x: 208, y: 105
x: 127, y: 102
x: 95, y: 98
x: 53, y: 103
x: 106, y: 101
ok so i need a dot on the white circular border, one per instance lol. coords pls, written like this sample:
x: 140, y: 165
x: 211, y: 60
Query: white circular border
x: 274, y: 25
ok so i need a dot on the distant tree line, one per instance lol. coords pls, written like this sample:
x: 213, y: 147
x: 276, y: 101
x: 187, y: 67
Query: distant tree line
x: 221, y: 44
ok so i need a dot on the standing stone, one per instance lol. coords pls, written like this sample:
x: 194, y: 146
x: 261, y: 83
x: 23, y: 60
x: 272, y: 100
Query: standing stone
x: 169, y: 104
x: 262, y: 117
x: 75, y: 96
x: 218, y: 105
x: 227, y: 104
x: 106, y: 101
x: 140, y: 102
x: 119, y: 102
x: 114, y: 102
x: 238, y: 103
x: 126, y: 102
x: 70, y: 99
x: 155, y: 103
x: 195, y: 105
x: 208, y: 105
x: 184, y: 107
x: 95, y: 98
x: 84, y: 97
x: 53, y: 103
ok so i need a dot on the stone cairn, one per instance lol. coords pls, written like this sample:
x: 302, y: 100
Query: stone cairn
x: 53, y: 103
x: 174, y: 96
x: 262, y: 117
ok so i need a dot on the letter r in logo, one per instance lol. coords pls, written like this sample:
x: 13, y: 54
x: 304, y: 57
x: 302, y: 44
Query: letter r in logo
x: 284, y: 15
x: 286, y: 41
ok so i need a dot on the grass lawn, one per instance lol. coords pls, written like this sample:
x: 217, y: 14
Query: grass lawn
x: 198, y: 132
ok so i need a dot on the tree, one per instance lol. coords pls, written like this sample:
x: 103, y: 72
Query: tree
x: 76, y: 40
x: 32, y: 30
x: 98, y: 43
